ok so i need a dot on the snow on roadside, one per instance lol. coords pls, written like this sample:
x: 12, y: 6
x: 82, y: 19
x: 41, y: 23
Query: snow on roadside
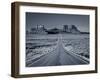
x: 35, y: 53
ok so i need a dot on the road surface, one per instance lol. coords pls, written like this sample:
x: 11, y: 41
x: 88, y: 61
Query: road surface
x: 59, y: 56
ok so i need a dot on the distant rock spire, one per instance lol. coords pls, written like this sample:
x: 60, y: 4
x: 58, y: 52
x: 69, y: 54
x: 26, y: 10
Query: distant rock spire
x: 70, y: 29
x: 40, y: 29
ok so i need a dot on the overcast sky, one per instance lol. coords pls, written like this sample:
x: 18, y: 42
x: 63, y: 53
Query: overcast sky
x: 57, y: 20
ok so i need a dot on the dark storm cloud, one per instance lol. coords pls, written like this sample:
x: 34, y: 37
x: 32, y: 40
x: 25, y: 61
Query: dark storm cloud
x: 57, y: 20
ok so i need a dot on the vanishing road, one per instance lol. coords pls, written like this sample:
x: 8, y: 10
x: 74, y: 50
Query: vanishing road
x: 59, y: 56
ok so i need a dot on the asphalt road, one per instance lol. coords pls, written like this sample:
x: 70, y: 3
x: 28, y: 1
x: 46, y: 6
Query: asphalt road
x: 59, y: 56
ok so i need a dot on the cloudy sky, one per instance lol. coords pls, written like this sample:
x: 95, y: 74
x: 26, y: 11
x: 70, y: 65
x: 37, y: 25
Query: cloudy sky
x: 57, y: 20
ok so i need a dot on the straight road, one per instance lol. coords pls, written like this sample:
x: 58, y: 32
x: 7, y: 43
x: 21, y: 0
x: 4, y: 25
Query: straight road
x: 59, y: 56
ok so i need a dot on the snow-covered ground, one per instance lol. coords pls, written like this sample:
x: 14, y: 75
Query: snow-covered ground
x: 78, y: 45
x: 39, y: 45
